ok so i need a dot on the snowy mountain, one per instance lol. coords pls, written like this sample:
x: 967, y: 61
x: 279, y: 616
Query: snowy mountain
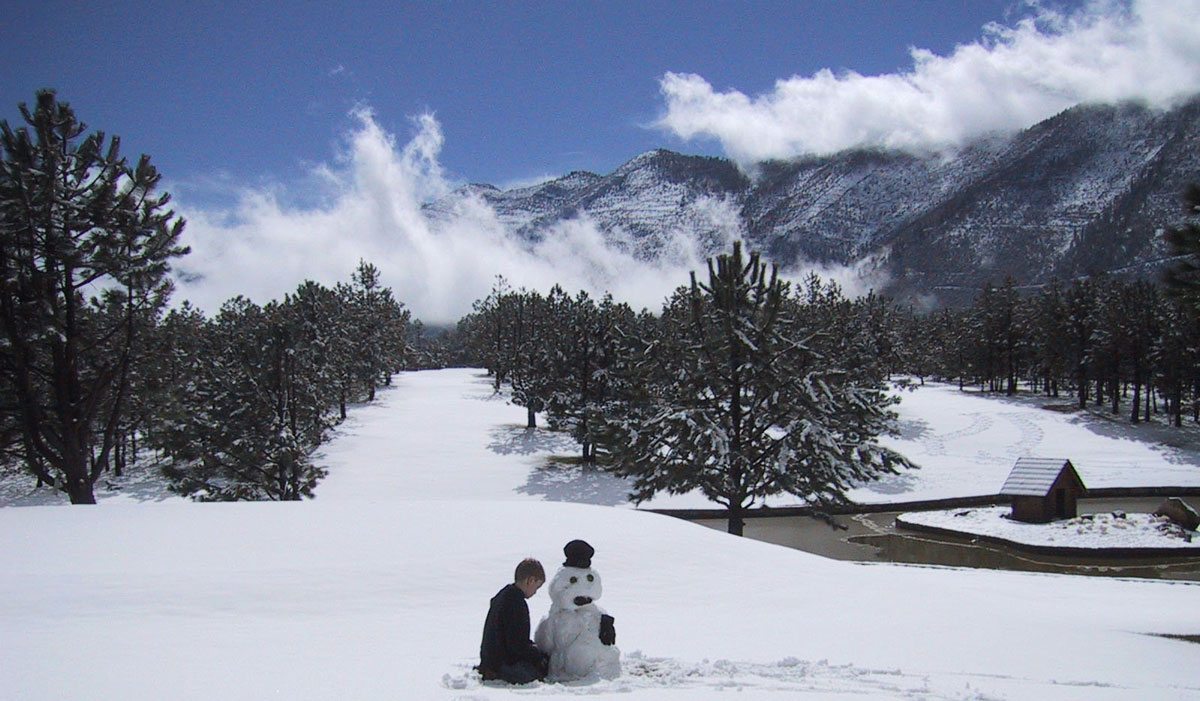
x: 1084, y: 192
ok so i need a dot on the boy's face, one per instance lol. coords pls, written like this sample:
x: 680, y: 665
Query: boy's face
x: 530, y: 585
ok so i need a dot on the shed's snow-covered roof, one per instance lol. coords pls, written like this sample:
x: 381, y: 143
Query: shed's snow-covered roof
x: 1034, y: 476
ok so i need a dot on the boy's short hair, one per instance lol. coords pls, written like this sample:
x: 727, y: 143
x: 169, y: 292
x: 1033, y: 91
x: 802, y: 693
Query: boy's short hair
x: 527, y: 568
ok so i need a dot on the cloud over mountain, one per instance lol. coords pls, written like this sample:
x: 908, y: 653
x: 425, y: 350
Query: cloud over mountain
x: 1012, y: 77
x: 370, y: 204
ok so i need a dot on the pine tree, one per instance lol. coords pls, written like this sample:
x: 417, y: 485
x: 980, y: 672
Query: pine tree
x: 75, y: 217
x: 1176, y: 353
x: 1047, y: 322
x: 258, y: 407
x: 533, y: 342
x: 741, y: 408
x: 1079, y: 335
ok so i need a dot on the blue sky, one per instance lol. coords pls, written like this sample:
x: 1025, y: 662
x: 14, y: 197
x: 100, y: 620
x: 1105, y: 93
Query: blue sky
x: 258, y: 90
x: 299, y: 138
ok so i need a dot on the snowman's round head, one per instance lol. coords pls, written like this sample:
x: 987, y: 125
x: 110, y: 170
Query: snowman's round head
x: 574, y: 587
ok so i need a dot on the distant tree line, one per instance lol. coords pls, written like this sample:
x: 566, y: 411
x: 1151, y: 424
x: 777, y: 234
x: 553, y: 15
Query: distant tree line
x: 246, y: 397
x: 94, y: 368
x: 1104, y: 342
x: 1123, y: 345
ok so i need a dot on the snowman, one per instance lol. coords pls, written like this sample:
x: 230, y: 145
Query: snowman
x: 577, y: 634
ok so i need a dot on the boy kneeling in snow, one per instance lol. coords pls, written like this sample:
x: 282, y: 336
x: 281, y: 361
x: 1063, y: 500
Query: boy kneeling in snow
x: 506, y: 652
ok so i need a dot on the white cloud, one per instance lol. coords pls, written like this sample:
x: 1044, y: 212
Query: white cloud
x: 1011, y: 78
x: 368, y: 206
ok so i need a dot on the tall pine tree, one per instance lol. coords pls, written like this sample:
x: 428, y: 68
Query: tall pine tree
x: 76, y: 217
x: 738, y: 406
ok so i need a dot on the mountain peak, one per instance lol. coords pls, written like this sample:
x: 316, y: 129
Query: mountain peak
x: 1082, y: 192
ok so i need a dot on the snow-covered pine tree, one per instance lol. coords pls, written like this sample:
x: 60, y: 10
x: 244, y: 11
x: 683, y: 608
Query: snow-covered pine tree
x: 1007, y: 335
x: 1141, y: 331
x: 178, y: 348
x: 738, y: 406
x: 582, y: 350
x: 260, y: 404
x: 376, y: 329
x: 75, y: 217
x: 1047, y: 322
x: 1078, y: 335
x: 530, y: 376
x: 1177, y: 353
x: 488, y: 331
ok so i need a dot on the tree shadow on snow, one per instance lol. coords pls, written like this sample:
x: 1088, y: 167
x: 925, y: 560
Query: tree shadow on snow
x: 518, y: 440
x: 902, y: 483
x: 579, y: 484
x: 1178, y: 445
x: 913, y: 429
x: 558, y: 479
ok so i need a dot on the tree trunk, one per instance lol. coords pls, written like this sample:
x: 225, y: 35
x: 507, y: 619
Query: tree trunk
x: 532, y: 418
x: 1134, y: 416
x: 737, y: 521
x: 80, y: 490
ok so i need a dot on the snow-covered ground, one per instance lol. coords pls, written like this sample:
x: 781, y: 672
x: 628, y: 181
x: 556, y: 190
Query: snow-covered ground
x: 1101, y: 530
x: 385, y: 600
x: 966, y: 444
x: 377, y: 589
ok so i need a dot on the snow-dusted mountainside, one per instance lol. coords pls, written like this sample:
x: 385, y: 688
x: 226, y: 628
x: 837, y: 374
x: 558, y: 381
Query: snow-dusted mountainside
x: 1084, y: 192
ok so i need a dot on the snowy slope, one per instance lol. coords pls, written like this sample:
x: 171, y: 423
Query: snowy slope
x: 377, y: 590
x: 376, y: 600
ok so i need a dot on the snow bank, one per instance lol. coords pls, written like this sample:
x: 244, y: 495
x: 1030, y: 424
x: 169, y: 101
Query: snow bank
x: 1088, y: 531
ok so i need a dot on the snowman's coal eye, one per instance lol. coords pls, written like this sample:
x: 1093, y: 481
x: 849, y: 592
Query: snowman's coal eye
x: 591, y: 578
x: 574, y: 580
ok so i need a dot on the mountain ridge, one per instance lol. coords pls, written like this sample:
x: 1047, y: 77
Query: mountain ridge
x: 1085, y: 192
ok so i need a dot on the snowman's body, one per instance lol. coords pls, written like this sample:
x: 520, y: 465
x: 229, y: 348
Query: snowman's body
x: 570, y: 632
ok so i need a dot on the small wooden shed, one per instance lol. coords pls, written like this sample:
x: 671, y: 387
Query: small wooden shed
x: 1043, y: 489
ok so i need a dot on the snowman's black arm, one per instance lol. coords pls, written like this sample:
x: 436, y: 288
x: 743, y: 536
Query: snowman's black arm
x: 608, y: 631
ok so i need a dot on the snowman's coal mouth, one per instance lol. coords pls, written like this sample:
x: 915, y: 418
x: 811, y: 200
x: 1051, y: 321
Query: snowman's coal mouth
x: 583, y: 600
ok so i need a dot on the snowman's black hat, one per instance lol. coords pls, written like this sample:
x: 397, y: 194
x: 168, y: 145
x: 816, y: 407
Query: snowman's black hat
x: 579, y: 554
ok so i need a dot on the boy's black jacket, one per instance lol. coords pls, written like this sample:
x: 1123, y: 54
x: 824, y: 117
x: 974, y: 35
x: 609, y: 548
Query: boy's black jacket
x: 506, y: 631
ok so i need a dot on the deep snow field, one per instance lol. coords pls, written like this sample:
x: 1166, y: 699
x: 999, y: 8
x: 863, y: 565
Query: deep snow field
x: 378, y: 588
